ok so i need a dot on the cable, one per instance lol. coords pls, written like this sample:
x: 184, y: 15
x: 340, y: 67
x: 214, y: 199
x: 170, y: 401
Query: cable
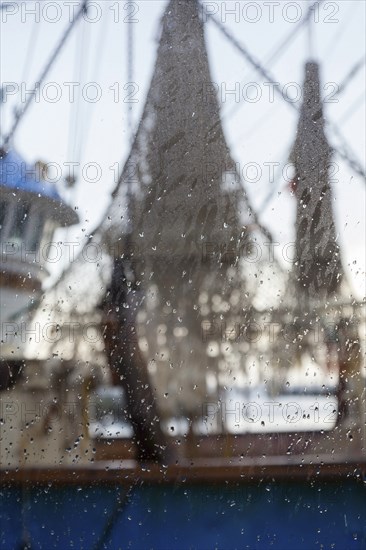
x: 345, y: 153
x: 30, y: 50
x: 271, y: 58
x: 75, y: 108
x: 77, y: 122
x: 84, y: 51
x: 248, y: 56
x: 310, y: 39
x: 335, y: 39
x: 352, y: 73
x: 97, y: 66
x: 130, y: 74
x: 123, y: 498
x: 20, y: 113
x: 293, y: 33
x: 86, y: 112
x: 272, y: 192
x: 353, y: 108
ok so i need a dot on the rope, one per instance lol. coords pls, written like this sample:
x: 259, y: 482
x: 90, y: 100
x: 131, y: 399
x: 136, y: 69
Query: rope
x: 97, y: 67
x: 21, y: 112
x: 329, y: 52
x: 345, y: 153
x: 249, y: 57
x: 271, y: 58
x: 272, y: 192
x: 122, y: 500
x: 352, y: 73
x: 293, y: 33
x: 75, y: 107
x: 130, y: 76
x: 353, y: 108
x: 30, y: 51
x: 310, y: 29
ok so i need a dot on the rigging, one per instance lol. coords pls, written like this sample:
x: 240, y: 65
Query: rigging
x: 279, y: 50
x: 21, y: 112
x: 345, y: 153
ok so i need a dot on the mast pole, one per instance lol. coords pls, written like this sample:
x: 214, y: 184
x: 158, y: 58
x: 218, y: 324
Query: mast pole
x: 129, y: 114
x: 130, y: 75
x: 310, y: 34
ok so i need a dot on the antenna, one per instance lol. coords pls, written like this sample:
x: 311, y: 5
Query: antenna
x: 310, y: 33
x: 130, y: 73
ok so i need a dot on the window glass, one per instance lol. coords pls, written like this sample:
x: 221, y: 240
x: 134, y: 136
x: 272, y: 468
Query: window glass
x: 3, y: 212
x: 37, y: 230
x: 19, y: 223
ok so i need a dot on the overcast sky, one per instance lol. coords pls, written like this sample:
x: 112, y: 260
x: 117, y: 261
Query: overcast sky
x: 259, y: 131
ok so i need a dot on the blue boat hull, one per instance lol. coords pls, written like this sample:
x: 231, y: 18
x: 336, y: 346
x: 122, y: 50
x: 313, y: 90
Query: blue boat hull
x: 277, y: 515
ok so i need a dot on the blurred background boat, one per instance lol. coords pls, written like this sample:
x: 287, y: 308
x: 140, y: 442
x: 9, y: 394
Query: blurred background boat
x: 181, y: 379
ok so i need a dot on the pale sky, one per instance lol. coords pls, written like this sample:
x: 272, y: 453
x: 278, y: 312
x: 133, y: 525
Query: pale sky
x: 258, y: 132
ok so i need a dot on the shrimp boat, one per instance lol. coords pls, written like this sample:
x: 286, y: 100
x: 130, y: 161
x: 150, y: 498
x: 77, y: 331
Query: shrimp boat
x: 153, y: 431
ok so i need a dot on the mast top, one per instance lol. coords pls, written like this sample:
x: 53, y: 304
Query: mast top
x: 311, y: 37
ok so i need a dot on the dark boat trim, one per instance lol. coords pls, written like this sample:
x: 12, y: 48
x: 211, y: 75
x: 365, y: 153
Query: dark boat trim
x: 191, y: 472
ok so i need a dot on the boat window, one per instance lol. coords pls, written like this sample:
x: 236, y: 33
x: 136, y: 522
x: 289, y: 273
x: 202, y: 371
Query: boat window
x: 19, y: 223
x: 107, y: 414
x: 36, y: 231
x: 3, y: 215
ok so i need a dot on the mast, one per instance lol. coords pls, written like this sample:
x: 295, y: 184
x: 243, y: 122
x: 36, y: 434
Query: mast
x: 181, y: 204
x: 318, y: 271
x: 189, y: 214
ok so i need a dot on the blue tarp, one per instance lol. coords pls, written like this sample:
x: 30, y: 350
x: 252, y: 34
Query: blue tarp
x: 16, y: 174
